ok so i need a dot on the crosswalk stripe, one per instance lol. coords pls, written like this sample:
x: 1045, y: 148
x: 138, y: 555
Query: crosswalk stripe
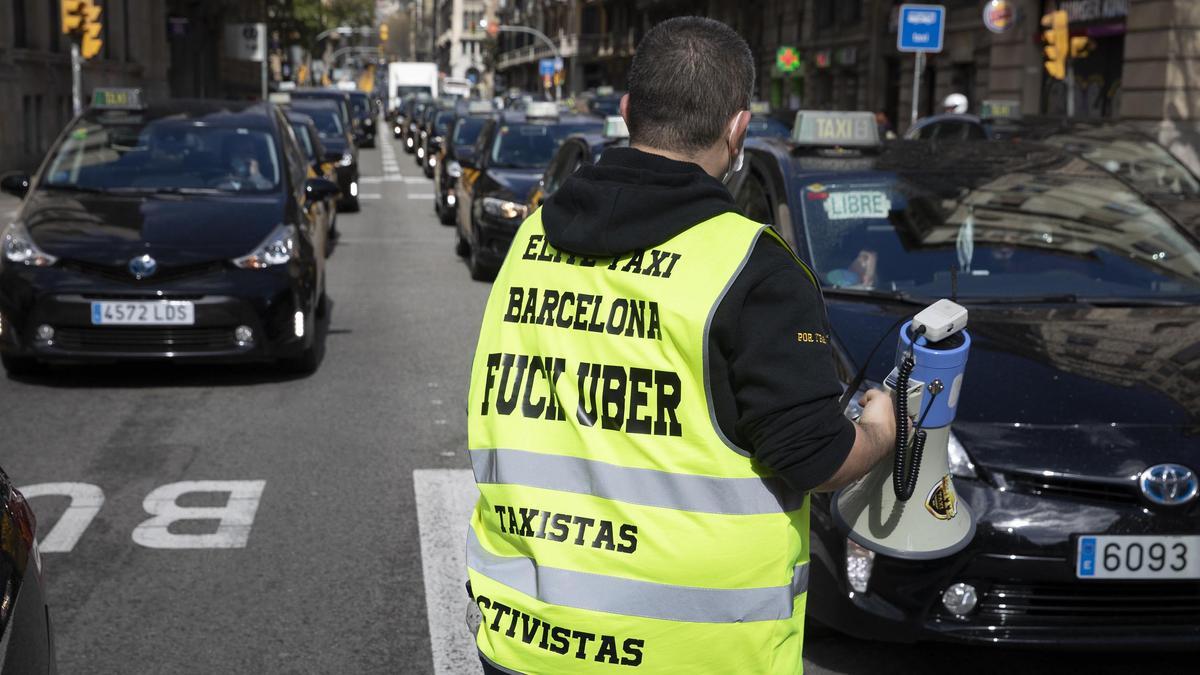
x: 445, y: 498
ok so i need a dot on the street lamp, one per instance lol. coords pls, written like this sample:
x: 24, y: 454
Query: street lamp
x: 483, y: 23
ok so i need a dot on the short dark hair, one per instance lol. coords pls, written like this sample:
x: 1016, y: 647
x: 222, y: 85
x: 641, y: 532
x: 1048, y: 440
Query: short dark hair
x: 689, y: 76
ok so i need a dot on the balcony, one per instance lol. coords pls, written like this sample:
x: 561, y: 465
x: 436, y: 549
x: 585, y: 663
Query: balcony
x: 588, y: 47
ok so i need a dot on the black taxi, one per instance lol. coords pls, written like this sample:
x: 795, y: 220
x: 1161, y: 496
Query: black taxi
x: 172, y: 231
x: 1075, y: 445
x: 510, y: 155
x: 582, y: 149
x: 459, y: 143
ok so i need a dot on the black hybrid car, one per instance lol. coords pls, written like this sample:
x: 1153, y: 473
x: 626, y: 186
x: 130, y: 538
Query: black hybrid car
x: 364, y: 117
x: 510, y: 155
x: 338, y: 142
x: 26, y: 632
x: 458, y: 145
x: 176, y: 231
x: 1076, y: 444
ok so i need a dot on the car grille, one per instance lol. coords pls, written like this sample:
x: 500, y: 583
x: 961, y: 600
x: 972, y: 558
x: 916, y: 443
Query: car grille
x: 162, y: 274
x: 1124, y: 492
x: 1082, y: 604
x: 149, y: 340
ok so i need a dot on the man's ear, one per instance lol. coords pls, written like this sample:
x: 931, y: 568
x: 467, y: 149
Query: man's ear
x: 740, y: 123
x: 624, y: 108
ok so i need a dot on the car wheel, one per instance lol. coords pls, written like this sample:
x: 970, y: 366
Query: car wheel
x: 480, y: 271
x: 310, y: 359
x: 461, y: 248
x: 427, y: 170
x: 20, y: 365
x: 445, y: 215
x: 350, y: 205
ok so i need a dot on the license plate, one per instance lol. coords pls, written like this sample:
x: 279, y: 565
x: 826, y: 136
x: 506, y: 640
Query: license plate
x: 1138, y: 557
x: 156, y: 313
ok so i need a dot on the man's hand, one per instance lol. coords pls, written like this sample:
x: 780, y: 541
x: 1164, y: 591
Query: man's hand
x: 876, y: 438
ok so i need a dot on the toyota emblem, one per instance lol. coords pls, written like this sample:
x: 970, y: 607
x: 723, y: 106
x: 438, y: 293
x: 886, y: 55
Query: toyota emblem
x: 1169, y: 484
x: 143, y: 266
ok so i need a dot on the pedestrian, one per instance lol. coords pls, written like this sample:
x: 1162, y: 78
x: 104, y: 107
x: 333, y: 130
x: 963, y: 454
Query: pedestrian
x: 652, y: 398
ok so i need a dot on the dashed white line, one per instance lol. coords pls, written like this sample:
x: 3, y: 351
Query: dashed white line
x: 421, y: 195
x: 445, y: 498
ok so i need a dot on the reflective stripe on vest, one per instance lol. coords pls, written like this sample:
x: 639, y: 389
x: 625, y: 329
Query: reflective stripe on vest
x: 615, y: 595
x: 617, y: 528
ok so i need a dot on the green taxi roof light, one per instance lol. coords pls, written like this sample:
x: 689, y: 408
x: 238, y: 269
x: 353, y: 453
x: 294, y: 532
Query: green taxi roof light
x: 615, y: 127
x: 831, y: 129
x: 117, y: 98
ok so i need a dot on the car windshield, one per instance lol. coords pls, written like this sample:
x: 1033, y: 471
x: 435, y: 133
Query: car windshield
x: 531, y: 145
x: 767, y: 126
x: 361, y: 106
x: 441, y: 125
x: 326, y: 117
x: 301, y: 131
x: 1021, y: 235
x: 607, y: 105
x: 164, y: 154
x: 466, y: 132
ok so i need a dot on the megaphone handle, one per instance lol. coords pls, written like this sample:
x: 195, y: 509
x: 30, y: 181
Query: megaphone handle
x: 904, y: 482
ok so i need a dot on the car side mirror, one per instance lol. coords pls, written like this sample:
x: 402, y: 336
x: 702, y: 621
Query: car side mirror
x: 332, y: 157
x: 16, y: 184
x: 320, y: 189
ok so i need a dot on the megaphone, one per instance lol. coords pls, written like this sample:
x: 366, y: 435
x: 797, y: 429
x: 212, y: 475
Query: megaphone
x: 907, y: 507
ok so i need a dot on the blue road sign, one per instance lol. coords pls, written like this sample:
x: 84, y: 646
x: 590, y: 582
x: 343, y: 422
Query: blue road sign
x: 546, y: 67
x: 922, y: 28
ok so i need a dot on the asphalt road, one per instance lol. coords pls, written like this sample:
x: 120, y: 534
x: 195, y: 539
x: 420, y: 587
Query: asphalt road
x: 333, y: 539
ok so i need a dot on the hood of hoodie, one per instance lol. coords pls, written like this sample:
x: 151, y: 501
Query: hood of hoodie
x: 630, y: 200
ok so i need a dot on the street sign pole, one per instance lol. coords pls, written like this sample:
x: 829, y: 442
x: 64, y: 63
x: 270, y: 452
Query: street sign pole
x: 921, y: 30
x: 76, y: 78
x: 918, y: 68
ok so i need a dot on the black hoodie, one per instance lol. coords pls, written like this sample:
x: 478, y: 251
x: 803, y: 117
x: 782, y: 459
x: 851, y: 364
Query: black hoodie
x: 774, y: 385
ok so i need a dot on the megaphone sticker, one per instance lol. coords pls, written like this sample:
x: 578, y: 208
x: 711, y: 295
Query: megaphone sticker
x: 942, y: 503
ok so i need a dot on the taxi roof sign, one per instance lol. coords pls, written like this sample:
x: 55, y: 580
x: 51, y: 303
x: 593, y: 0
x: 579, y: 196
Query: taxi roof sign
x: 281, y: 97
x: 480, y: 107
x: 760, y: 107
x: 114, y: 98
x: 1000, y: 110
x: 541, y: 110
x: 615, y: 127
x: 826, y: 128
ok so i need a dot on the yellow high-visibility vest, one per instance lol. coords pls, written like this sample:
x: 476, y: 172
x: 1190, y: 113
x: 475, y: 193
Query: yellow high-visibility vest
x: 618, y: 529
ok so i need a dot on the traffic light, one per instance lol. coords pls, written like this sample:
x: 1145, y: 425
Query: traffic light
x: 90, y: 46
x: 383, y: 33
x: 1056, y: 41
x: 1081, y: 47
x: 71, y: 16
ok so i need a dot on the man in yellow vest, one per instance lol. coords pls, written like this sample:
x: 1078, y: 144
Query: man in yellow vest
x: 644, y: 422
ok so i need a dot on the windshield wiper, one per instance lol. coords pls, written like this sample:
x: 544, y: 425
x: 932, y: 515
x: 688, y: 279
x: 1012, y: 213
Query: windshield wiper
x: 71, y: 187
x: 173, y: 190
x: 874, y: 294
x: 1094, y: 301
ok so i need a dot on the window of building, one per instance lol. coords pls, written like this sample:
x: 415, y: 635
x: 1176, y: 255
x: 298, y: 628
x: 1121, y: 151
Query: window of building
x: 823, y: 11
x: 850, y: 11
x: 20, y: 41
x: 128, y: 51
x: 55, y: 30
x: 27, y: 118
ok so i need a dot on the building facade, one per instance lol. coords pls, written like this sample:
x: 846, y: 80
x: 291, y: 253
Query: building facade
x: 35, y: 69
x: 460, y: 44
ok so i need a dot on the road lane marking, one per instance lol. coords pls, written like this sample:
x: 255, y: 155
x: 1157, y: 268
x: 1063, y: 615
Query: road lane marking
x: 421, y: 195
x: 86, y: 500
x: 370, y: 195
x: 235, y: 518
x: 445, y: 498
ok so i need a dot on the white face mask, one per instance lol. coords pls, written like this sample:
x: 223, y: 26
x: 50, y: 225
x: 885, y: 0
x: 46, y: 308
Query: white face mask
x: 740, y: 159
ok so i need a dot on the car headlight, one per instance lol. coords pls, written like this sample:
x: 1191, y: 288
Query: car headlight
x: 453, y: 169
x: 19, y: 248
x: 347, y: 159
x: 412, y: 128
x: 502, y: 208
x: 960, y: 462
x: 277, y: 249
